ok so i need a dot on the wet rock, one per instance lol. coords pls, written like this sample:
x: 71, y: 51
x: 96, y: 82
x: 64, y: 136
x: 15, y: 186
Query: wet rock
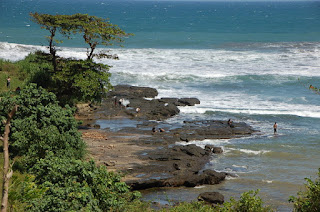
x: 181, y: 101
x: 133, y: 91
x: 209, y: 148
x: 192, y: 150
x: 189, y: 101
x: 217, y: 150
x: 184, y: 178
x: 211, y: 197
x: 109, y: 163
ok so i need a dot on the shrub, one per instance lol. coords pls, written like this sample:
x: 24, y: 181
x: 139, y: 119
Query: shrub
x: 78, y: 185
x: 41, y: 126
x: 308, y: 200
x: 249, y: 202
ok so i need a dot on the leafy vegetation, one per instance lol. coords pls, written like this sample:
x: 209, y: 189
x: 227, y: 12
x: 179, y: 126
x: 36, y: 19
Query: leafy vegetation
x: 308, y: 200
x: 12, y: 70
x: 87, y: 186
x: 41, y: 126
x: 45, y: 142
x: 45, y: 138
x: 74, y: 80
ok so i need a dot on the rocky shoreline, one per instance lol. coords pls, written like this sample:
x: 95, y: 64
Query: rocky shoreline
x: 150, y: 158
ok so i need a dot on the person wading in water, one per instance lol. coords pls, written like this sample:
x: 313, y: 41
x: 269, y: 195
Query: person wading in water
x: 275, y: 126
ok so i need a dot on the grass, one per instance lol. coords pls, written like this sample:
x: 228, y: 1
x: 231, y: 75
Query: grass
x: 12, y: 70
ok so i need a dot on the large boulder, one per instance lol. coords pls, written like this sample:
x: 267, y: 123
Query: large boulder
x: 211, y: 197
x: 133, y: 91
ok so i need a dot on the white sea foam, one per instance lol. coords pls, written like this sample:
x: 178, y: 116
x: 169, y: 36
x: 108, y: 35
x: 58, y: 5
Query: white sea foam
x: 246, y: 104
x: 203, y: 143
x: 246, y: 151
x: 205, y: 63
x: 267, y: 181
x: 179, y: 73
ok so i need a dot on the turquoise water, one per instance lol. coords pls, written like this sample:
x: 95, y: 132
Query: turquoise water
x: 171, y: 24
x: 248, y: 61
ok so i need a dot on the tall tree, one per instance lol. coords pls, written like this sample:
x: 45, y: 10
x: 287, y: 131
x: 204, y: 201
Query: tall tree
x: 7, y: 173
x: 54, y: 24
x: 97, y: 31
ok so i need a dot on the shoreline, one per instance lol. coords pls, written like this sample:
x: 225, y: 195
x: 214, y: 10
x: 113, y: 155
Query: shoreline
x: 147, y: 159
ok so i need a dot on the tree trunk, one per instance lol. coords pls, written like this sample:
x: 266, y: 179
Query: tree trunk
x: 92, y: 48
x: 53, y: 50
x: 6, y: 165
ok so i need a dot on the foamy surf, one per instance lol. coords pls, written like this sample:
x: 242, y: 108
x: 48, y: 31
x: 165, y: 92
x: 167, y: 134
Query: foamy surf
x: 246, y: 151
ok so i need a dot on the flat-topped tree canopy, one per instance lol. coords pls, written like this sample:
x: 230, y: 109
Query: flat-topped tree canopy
x: 95, y: 31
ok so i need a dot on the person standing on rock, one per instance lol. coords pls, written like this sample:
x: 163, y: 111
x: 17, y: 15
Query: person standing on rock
x: 275, y: 126
x: 229, y: 122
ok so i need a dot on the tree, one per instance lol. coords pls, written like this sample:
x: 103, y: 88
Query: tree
x: 6, y: 173
x: 52, y: 23
x: 70, y: 79
x: 97, y: 31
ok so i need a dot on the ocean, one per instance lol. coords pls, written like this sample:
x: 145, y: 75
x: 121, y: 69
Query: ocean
x: 249, y: 61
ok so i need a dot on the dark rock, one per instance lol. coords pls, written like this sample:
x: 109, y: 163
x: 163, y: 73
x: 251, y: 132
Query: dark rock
x: 184, y: 138
x: 211, y: 197
x: 208, y: 148
x: 133, y: 91
x: 170, y: 100
x: 182, y: 101
x: 212, y: 177
x: 176, y: 166
x: 193, y: 150
x: 188, y: 101
x: 110, y: 163
x: 217, y: 150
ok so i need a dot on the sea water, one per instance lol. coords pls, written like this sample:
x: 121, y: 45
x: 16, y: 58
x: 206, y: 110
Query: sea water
x: 249, y: 61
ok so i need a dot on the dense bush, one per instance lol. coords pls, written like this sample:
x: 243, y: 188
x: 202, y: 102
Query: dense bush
x: 308, y: 200
x: 46, y: 139
x: 73, y: 80
x: 37, y: 68
x: 41, y: 126
x: 80, y: 80
x: 249, y: 202
x: 78, y: 185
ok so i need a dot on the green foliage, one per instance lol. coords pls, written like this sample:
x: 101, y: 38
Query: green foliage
x: 52, y: 23
x: 86, y: 187
x: 23, y: 189
x: 81, y: 80
x: 308, y: 200
x: 37, y: 68
x: 41, y: 126
x: 191, y: 207
x: 73, y: 81
x: 46, y: 137
x: 249, y: 202
x: 96, y: 31
x: 13, y: 70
